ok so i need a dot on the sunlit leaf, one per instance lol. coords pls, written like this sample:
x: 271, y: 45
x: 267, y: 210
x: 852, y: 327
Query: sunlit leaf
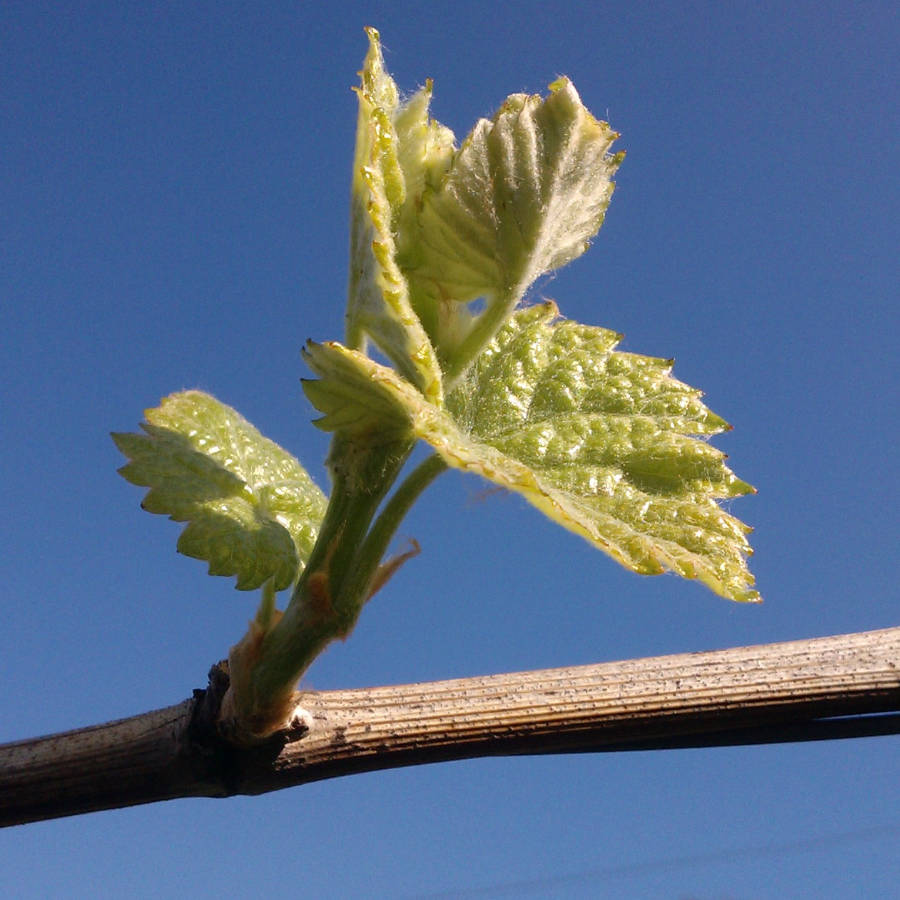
x: 378, y: 297
x: 433, y: 227
x: 252, y: 510
x: 358, y: 396
x: 603, y: 442
x: 523, y: 196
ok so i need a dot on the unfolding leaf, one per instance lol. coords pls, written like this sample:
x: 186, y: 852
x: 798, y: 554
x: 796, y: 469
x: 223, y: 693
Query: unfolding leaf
x: 602, y: 442
x: 524, y: 195
x: 358, y: 396
x: 425, y: 150
x: 252, y: 510
x: 378, y: 297
x: 433, y: 227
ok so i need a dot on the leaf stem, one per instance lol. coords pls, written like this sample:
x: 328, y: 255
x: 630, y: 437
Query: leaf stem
x: 483, y: 329
x: 376, y: 542
x: 332, y: 589
x: 266, y: 612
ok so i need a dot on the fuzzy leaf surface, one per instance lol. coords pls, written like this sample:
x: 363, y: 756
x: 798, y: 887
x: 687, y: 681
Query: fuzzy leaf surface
x: 252, y: 510
x: 378, y: 297
x: 523, y: 196
x: 603, y: 442
x: 359, y: 397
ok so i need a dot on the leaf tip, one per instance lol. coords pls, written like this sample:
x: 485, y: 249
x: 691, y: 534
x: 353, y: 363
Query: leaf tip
x: 550, y: 307
x: 559, y: 83
x: 374, y: 38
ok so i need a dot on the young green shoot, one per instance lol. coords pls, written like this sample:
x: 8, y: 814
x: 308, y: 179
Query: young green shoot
x: 446, y: 241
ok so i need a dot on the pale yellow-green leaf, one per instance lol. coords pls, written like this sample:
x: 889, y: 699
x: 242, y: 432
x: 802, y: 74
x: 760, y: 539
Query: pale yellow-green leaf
x: 358, y: 396
x: 605, y: 443
x: 523, y: 196
x: 378, y: 297
x: 425, y: 150
x: 252, y: 510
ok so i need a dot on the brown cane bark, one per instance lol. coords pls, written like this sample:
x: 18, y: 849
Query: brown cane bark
x: 825, y: 688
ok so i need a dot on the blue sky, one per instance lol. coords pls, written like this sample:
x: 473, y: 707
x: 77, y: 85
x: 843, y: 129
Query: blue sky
x: 175, y: 185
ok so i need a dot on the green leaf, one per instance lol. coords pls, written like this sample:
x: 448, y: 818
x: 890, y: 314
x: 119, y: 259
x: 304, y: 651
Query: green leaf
x: 425, y: 150
x: 603, y: 442
x: 434, y: 228
x: 252, y: 510
x: 524, y: 195
x: 378, y: 298
x: 358, y: 396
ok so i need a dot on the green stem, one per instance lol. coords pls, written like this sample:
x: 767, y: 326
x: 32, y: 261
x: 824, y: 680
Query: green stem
x: 332, y: 589
x: 376, y: 543
x: 266, y: 611
x: 484, y: 328
x: 343, y: 571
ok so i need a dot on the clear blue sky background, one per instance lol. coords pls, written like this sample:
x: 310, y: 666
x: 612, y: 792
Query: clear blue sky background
x: 174, y: 192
